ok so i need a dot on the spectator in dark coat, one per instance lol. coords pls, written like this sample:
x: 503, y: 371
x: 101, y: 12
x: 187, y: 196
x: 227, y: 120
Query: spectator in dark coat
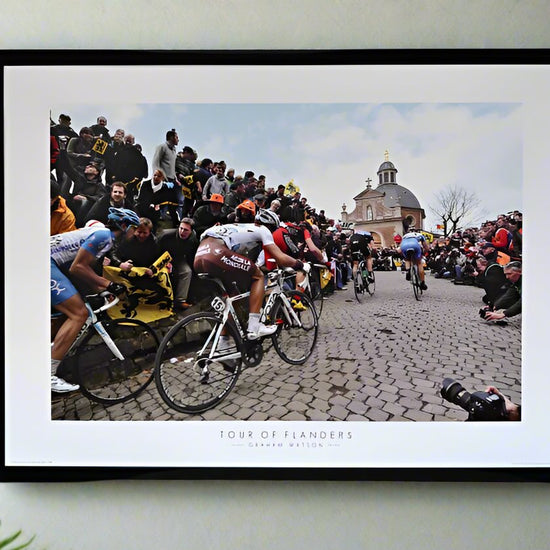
x: 181, y: 244
x: 116, y: 198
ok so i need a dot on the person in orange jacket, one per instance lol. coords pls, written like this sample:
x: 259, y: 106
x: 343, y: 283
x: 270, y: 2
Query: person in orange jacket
x: 62, y: 219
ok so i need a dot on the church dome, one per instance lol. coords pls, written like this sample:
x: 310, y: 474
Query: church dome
x: 397, y: 195
x: 387, y: 165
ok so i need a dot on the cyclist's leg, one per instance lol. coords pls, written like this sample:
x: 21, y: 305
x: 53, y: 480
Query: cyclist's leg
x: 65, y: 298
x: 76, y: 313
x: 248, y: 275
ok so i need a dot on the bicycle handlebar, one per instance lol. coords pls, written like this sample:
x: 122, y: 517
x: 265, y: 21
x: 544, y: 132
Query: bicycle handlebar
x: 109, y: 300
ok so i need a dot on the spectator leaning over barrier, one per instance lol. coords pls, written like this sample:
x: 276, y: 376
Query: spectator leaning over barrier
x: 140, y: 250
x: 509, y: 304
x: 181, y: 244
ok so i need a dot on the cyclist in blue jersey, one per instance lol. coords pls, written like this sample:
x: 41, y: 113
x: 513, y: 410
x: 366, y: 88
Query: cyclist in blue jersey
x: 74, y: 254
x: 415, y: 241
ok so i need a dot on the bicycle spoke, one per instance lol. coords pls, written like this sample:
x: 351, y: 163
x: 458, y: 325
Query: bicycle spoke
x: 197, y: 366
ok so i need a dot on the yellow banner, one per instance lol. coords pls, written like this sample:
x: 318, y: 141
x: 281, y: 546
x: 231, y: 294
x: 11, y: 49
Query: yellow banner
x: 100, y: 146
x: 325, y: 276
x: 429, y: 236
x: 148, y: 298
x: 291, y: 188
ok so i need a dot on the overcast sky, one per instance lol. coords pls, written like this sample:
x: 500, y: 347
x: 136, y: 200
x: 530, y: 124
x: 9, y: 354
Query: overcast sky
x: 329, y: 150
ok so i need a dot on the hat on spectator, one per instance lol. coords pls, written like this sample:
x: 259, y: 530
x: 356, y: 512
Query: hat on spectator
x: 259, y: 197
x: 247, y: 205
x: 486, y: 245
x: 215, y: 197
x: 235, y: 184
x: 187, y: 149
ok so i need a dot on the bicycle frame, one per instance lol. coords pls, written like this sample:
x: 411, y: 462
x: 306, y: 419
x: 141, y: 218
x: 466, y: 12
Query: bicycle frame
x: 92, y: 320
x: 224, y: 307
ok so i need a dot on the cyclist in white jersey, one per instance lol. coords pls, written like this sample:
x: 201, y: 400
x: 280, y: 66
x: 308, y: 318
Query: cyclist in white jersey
x: 230, y: 251
x: 74, y: 253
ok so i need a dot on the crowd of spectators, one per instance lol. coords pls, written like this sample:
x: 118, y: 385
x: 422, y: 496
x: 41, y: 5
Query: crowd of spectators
x: 184, y: 195
x: 176, y: 194
x: 489, y: 257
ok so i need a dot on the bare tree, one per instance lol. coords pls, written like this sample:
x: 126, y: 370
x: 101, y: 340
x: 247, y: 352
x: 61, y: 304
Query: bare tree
x: 456, y: 208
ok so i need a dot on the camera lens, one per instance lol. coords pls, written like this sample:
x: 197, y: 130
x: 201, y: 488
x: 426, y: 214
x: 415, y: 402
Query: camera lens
x: 454, y: 392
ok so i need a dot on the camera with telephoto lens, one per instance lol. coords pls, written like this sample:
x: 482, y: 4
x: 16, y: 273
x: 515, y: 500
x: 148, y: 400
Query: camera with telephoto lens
x: 480, y: 405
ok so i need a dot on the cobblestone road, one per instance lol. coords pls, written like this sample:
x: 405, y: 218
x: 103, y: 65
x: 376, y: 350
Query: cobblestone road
x: 383, y: 360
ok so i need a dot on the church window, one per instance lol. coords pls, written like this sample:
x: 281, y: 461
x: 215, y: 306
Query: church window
x: 392, y: 176
x: 380, y: 178
x: 386, y: 177
x: 369, y: 213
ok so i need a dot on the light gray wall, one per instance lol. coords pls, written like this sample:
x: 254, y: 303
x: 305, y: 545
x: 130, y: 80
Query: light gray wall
x: 254, y: 514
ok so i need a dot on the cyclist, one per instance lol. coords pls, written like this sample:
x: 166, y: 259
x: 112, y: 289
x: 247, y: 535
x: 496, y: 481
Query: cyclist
x: 295, y: 240
x: 74, y: 254
x: 415, y: 241
x: 229, y: 252
x: 360, y: 248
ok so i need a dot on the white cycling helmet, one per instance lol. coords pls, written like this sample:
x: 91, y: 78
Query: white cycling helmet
x: 268, y: 218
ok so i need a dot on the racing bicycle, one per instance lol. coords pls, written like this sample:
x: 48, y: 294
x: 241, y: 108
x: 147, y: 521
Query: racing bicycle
x: 111, y: 359
x: 361, y: 284
x: 414, y: 276
x: 201, y: 357
x: 311, y: 285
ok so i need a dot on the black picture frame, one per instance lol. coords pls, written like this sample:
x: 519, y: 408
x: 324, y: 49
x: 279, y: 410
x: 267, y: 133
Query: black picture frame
x: 504, y: 60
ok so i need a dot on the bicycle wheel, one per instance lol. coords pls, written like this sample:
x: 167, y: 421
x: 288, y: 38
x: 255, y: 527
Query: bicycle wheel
x: 371, y: 287
x: 188, y: 376
x: 297, y: 328
x: 316, y: 291
x: 359, y: 287
x: 415, y: 281
x: 108, y: 380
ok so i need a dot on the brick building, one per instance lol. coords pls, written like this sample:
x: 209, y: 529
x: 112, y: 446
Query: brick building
x: 386, y: 210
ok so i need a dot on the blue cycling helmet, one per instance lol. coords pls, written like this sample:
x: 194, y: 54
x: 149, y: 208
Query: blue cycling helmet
x: 119, y: 216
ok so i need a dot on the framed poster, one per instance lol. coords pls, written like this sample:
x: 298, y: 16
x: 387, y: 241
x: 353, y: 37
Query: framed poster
x: 377, y: 141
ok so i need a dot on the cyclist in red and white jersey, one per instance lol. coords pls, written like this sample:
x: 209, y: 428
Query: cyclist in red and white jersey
x: 230, y: 251
x: 74, y: 254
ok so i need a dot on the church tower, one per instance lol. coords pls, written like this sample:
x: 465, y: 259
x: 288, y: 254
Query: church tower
x: 387, y: 210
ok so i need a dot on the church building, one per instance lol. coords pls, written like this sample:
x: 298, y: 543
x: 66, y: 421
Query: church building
x: 387, y: 210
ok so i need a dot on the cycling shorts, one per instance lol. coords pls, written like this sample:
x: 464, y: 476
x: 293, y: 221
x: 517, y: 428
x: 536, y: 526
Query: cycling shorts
x: 357, y: 255
x: 61, y: 287
x: 214, y: 258
x: 411, y: 244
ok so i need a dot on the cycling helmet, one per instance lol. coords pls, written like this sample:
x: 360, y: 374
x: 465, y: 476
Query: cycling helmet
x: 268, y: 218
x: 118, y: 216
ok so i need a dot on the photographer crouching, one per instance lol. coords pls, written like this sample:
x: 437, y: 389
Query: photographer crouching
x: 509, y: 304
x: 490, y: 405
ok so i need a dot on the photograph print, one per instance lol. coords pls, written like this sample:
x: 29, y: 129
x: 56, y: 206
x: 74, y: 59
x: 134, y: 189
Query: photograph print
x: 322, y: 276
